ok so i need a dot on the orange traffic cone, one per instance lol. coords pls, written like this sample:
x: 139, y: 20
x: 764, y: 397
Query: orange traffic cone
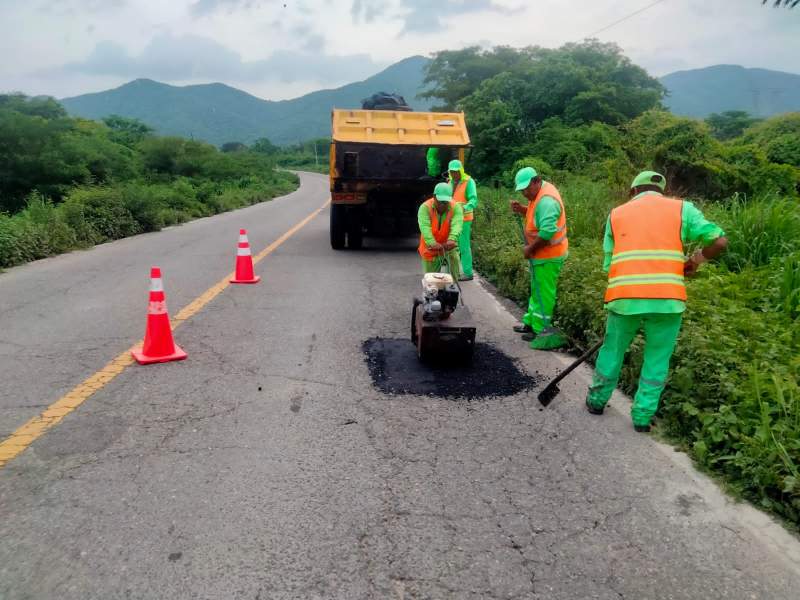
x: 158, y: 343
x: 244, y: 261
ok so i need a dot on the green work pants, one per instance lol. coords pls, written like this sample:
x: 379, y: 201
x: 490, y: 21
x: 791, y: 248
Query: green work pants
x: 545, y: 277
x: 660, y: 334
x: 435, y: 265
x: 465, y: 248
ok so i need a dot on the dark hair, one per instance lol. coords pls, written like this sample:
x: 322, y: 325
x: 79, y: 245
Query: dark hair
x: 537, y: 179
x: 635, y: 191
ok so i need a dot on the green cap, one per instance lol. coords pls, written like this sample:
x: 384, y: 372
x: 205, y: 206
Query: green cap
x: 455, y: 165
x: 443, y: 192
x: 650, y: 178
x: 523, y: 178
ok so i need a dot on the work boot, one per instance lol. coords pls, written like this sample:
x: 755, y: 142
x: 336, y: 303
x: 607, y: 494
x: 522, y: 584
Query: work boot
x: 523, y: 328
x: 642, y: 428
x: 592, y: 409
x: 528, y: 336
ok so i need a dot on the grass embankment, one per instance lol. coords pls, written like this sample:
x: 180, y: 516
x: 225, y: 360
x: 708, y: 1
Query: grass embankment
x: 95, y: 214
x: 732, y: 400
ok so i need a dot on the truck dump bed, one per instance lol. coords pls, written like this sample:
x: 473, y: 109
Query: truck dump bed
x: 397, y: 128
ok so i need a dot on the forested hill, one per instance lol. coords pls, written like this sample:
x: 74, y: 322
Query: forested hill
x: 760, y: 92
x: 218, y: 113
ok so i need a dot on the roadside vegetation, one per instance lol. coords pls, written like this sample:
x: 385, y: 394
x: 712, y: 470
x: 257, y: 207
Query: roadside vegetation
x: 589, y: 120
x: 311, y: 155
x: 69, y: 183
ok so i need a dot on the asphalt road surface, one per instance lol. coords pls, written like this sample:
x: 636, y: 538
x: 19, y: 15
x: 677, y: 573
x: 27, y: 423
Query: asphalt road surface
x: 270, y: 466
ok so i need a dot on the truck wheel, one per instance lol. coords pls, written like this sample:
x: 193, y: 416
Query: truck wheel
x: 355, y: 228
x: 338, y: 226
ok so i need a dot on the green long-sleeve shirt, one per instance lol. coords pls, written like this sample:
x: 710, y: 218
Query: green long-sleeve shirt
x: 546, y: 216
x: 694, y: 228
x: 424, y: 222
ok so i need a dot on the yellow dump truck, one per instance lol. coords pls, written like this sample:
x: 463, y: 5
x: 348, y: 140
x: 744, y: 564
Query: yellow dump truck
x: 379, y: 170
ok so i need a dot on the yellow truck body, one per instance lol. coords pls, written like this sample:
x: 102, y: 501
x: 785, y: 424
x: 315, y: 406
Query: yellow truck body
x: 379, y: 170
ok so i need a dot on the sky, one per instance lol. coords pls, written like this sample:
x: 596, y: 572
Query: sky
x: 277, y: 49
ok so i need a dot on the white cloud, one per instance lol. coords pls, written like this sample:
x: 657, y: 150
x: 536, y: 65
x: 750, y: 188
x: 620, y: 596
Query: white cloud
x: 278, y: 48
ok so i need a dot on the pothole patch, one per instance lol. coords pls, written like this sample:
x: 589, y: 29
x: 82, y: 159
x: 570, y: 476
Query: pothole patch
x: 395, y: 369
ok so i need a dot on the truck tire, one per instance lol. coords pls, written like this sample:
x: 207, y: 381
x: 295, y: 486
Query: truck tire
x: 338, y: 226
x: 355, y: 228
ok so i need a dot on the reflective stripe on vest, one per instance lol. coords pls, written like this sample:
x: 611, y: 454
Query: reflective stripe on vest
x: 439, y: 227
x: 559, y: 243
x: 648, y: 252
x: 460, y: 195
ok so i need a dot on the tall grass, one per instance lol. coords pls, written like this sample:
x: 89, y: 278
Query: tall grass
x: 759, y: 230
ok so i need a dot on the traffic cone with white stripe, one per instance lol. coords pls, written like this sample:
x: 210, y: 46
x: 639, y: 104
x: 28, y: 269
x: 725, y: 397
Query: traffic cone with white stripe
x: 244, y: 261
x: 158, y: 344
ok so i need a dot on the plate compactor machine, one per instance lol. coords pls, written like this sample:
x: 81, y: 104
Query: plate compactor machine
x: 442, y: 331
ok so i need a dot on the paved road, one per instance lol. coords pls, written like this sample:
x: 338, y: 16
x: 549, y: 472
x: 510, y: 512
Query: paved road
x: 268, y: 466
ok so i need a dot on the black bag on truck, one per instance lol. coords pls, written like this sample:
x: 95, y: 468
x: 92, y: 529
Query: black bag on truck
x: 385, y: 101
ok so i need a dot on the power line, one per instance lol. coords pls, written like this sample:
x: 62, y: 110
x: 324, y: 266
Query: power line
x: 625, y: 18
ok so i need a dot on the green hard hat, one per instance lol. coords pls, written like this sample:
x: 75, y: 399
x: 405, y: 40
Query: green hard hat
x: 443, y: 192
x: 650, y: 178
x: 523, y: 178
x: 455, y: 165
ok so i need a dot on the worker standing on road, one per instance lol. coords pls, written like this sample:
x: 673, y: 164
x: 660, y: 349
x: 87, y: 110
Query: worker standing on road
x: 546, y: 246
x: 643, y: 247
x: 465, y: 192
x: 440, y: 221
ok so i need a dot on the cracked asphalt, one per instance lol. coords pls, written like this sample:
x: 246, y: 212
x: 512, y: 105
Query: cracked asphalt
x: 267, y: 466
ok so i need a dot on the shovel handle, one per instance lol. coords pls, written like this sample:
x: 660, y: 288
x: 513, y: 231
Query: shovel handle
x: 580, y: 360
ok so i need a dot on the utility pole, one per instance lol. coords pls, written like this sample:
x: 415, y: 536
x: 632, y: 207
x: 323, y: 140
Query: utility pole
x: 316, y: 158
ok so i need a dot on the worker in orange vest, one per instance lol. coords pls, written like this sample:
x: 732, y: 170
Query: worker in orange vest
x: 440, y: 221
x: 465, y: 192
x: 546, y: 247
x: 644, y: 257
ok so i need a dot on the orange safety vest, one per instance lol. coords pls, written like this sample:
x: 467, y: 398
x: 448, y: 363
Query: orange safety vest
x: 439, y: 227
x: 559, y: 244
x: 648, y: 252
x: 460, y: 195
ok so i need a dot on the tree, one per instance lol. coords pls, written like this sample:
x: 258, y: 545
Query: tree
x: 42, y: 106
x: 730, y: 124
x: 788, y: 3
x: 579, y: 84
x: 455, y: 74
x: 264, y: 146
x: 233, y: 147
x: 127, y: 131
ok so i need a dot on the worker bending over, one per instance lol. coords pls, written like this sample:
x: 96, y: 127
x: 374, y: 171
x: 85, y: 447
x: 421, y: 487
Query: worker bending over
x: 440, y: 221
x: 465, y: 193
x: 643, y: 247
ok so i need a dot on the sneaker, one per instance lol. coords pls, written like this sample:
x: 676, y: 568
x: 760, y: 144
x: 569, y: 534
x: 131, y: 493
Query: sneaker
x: 522, y: 328
x: 642, y: 428
x: 528, y: 336
x: 466, y: 278
x: 593, y: 410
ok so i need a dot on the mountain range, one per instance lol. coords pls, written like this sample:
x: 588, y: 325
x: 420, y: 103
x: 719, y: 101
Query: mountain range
x: 218, y: 113
x: 761, y: 92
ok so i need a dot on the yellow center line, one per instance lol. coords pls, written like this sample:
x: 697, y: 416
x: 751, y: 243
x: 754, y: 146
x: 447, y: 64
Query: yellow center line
x: 25, y: 435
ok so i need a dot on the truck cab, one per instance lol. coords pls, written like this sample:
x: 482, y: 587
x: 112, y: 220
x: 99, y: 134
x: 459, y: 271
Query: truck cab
x: 379, y: 169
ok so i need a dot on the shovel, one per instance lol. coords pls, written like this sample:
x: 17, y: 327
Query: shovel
x: 547, y: 395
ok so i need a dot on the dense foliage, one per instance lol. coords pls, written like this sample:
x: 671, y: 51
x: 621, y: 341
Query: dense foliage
x: 67, y: 183
x: 732, y: 399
